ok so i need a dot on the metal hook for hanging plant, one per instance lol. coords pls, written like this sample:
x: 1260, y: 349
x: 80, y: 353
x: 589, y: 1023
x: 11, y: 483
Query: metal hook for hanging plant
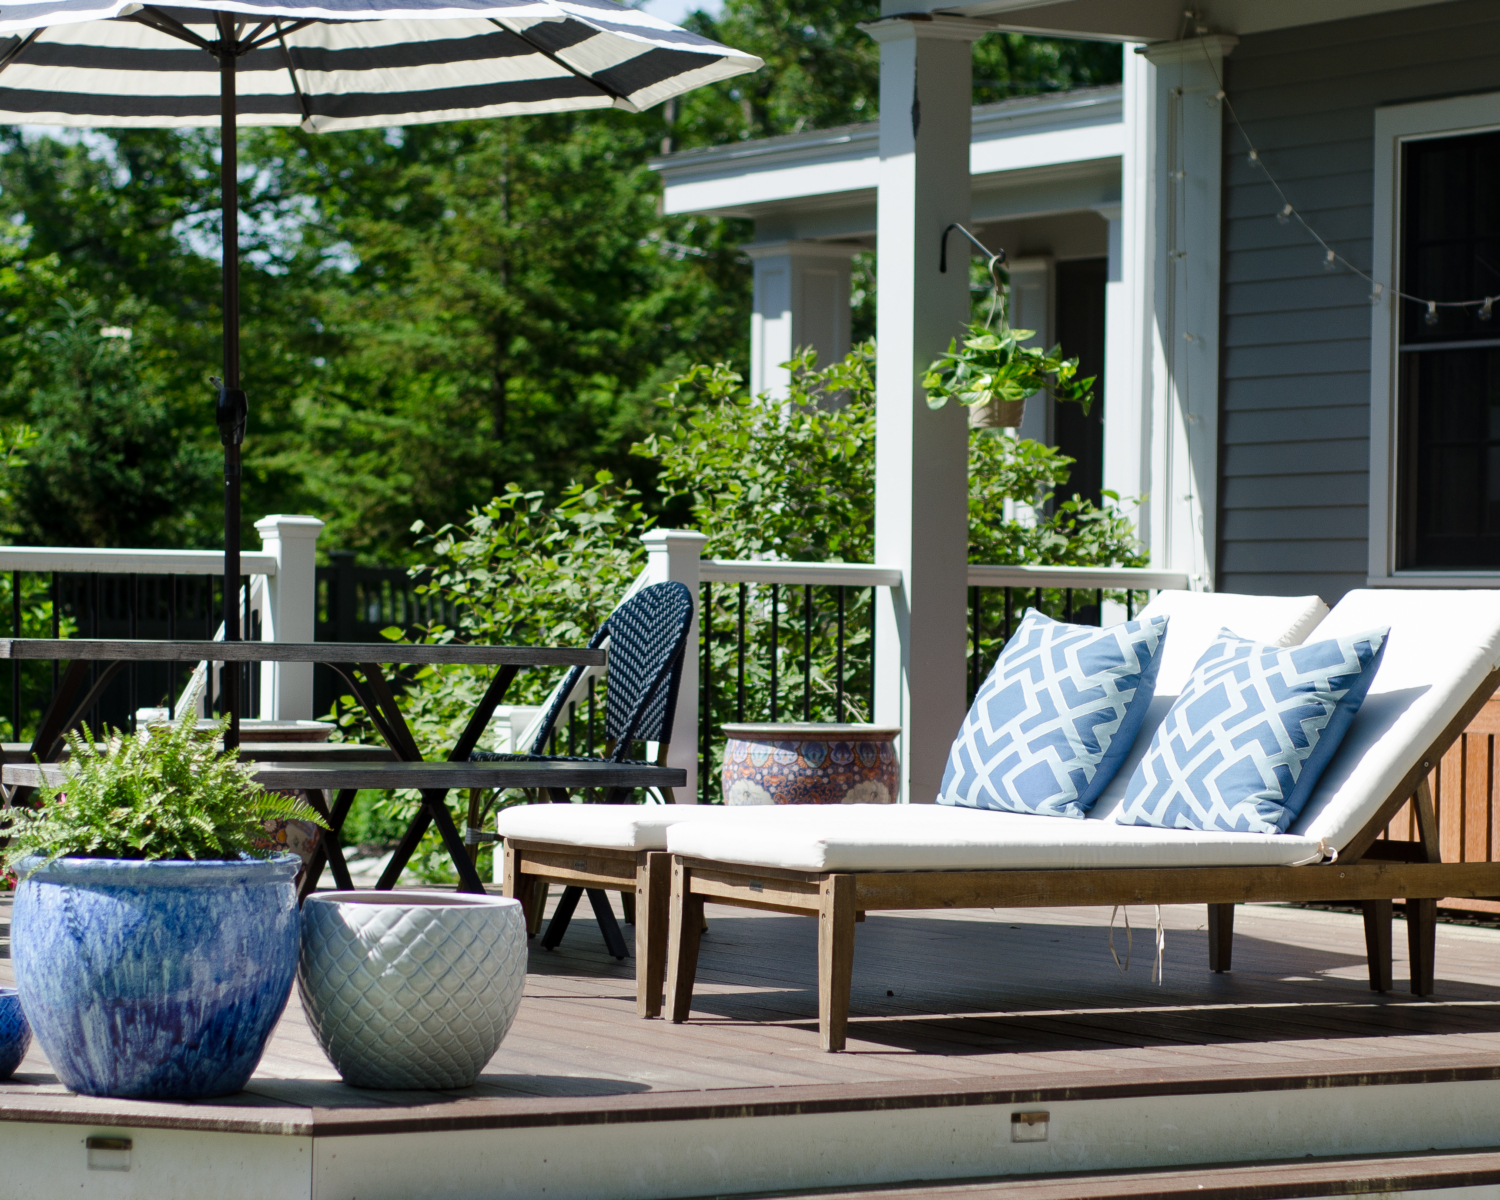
x: 993, y: 266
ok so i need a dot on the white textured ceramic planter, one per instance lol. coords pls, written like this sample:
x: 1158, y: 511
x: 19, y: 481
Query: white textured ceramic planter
x: 411, y: 989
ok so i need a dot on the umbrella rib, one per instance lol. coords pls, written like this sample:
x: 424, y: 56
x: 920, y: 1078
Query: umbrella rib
x: 608, y: 91
x: 291, y: 69
x: 159, y: 21
x: 14, y: 52
x: 278, y: 34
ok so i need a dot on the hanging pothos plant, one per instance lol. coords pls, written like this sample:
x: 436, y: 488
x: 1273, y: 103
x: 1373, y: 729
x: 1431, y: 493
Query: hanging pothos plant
x: 993, y: 373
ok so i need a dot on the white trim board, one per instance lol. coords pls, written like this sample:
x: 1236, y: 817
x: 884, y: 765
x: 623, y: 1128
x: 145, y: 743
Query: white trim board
x: 1395, y: 126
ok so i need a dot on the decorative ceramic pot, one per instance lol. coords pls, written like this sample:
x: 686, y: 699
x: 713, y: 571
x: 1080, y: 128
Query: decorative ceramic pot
x: 155, y: 979
x: 15, y: 1033
x: 810, y: 763
x: 411, y: 989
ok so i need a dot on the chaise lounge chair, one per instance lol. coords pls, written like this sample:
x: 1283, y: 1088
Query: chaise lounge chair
x: 1440, y: 667
x: 623, y: 847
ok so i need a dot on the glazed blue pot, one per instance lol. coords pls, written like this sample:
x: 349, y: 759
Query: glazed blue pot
x: 15, y: 1033
x: 155, y: 979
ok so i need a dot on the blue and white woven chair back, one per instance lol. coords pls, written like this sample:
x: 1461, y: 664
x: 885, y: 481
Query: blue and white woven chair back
x: 647, y: 640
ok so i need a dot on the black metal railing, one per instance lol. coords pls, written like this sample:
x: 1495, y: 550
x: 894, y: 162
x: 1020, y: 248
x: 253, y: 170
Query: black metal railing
x: 58, y: 604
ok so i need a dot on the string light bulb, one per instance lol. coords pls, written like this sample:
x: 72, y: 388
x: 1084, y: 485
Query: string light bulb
x: 1284, y: 217
x: 1488, y: 310
x: 1432, y: 317
x: 1330, y: 260
x: 1254, y: 156
x: 1376, y: 292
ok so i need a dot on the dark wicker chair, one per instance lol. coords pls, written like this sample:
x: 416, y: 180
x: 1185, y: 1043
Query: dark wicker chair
x: 647, y: 637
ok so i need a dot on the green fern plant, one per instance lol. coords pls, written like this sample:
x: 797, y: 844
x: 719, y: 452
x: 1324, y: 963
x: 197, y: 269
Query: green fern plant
x: 167, y: 792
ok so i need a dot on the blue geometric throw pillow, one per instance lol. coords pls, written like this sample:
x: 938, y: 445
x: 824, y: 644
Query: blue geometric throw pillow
x: 1056, y: 717
x: 1243, y: 746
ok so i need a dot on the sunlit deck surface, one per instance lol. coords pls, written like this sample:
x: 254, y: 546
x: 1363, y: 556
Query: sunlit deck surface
x: 971, y: 999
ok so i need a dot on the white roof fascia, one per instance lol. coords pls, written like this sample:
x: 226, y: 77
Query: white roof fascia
x: 1041, y: 131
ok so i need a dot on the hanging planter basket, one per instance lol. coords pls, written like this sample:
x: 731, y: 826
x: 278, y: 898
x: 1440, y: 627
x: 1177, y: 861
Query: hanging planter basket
x: 997, y: 414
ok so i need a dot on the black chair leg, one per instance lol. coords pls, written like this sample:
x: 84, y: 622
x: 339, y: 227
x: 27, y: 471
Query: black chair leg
x: 614, y: 940
x: 559, y: 923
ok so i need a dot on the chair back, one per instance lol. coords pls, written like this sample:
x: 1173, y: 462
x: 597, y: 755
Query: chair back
x: 647, y: 642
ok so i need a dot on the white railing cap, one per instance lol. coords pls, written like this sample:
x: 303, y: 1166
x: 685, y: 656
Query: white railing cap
x: 87, y: 559
x: 1135, y: 578
x: 725, y: 570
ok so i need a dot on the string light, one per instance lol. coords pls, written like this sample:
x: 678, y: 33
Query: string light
x: 1332, y: 258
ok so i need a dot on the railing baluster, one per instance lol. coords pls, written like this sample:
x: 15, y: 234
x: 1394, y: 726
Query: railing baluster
x: 974, y: 640
x: 838, y: 702
x: 134, y: 586
x: 807, y: 630
x: 872, y: 653
x: 593, y: 679
x: 1099, y: 608
x: 572, y: 729
x: 1036, y: 600
x: 1068, y: 604
x: 775, y: 630
x: 54, y: 594
x: 1007, y: 614
x: 15, y: 663
x: 739, y: 697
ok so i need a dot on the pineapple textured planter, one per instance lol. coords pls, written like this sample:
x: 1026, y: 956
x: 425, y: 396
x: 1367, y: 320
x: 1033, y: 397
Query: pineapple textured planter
x: 411, y: 989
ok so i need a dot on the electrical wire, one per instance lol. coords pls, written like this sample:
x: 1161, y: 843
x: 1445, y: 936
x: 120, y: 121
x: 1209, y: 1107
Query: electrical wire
x: 1331, y: 256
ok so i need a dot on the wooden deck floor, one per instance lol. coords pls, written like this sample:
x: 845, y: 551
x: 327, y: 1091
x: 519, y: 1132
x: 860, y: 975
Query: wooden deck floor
x: 1001, y: 998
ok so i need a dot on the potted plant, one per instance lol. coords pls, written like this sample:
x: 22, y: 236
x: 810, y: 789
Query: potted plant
x: 154, y: 936
x: 993, y: 373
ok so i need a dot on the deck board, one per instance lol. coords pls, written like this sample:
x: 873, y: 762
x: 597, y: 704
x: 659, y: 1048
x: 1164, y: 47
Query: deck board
x: 1015, y: 998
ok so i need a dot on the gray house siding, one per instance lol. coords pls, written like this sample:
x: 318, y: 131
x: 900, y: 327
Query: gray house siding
x: 1295, y: 390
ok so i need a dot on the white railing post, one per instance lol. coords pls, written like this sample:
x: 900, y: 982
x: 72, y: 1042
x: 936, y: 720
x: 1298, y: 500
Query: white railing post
x: 286, y: 689
x: 674, y: 554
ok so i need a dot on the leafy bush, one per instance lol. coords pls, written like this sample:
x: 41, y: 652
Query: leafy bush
x: 167, y: 792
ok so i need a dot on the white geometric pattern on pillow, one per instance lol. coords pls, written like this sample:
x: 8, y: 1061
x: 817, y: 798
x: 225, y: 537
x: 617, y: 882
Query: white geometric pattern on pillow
x: 1243, y: 745
x: 1055, y: 718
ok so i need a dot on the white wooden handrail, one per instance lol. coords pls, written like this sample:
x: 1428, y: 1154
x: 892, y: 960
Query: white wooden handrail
x: 1132, y: 578
x: 86, y: 559
x: 829, y: 574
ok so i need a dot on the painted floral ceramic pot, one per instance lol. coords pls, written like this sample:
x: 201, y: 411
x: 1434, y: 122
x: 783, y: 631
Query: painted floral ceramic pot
x: 810, y: 763
x: 155, y: 980
x: 15, y: 1033
x: 411, y: 989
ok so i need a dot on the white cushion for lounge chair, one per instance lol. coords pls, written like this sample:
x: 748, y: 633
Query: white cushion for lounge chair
x: 1195, y: 620
x: 1441, y: 647
x: 930, y: 837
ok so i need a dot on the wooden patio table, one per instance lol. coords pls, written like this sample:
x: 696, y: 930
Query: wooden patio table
x: 360, y: 665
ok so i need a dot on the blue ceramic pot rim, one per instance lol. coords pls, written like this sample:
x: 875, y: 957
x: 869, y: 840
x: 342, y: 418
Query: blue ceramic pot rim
x: 162, y: 872
x: 7, y: 993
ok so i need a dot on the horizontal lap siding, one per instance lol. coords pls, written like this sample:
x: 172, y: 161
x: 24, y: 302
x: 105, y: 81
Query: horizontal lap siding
x: 1295, y: 361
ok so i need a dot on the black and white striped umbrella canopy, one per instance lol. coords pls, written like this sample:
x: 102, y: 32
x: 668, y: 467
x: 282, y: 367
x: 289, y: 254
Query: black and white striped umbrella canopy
x: 343, y: 64
x: 328, y: 65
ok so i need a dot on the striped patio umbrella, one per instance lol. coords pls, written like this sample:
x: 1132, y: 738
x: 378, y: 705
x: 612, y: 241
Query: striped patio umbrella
x: 328, y: 65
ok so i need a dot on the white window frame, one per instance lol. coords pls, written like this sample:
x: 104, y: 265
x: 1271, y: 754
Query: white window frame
x: 1394, y: 127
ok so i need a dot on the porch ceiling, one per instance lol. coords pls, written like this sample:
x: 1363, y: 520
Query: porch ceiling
x: 1152, y: 20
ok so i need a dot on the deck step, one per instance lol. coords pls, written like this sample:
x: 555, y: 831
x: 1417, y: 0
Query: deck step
x: 1383, y: 1175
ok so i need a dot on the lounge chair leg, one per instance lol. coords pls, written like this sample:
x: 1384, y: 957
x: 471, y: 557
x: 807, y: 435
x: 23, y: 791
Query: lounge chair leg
x: 560, y: 918
x: 1421, y: 941
x: 539, y: 894
x: 653, y: 902
x: 684, y: 933
x: 516, y: 886
x: 1220, y: 937
x: 1378, y: 943
x: 627, y: 905
x: 835, y: 958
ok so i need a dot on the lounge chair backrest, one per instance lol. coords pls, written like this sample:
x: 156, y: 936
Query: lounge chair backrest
x: 1194, y: 620
x: 1442, y: 647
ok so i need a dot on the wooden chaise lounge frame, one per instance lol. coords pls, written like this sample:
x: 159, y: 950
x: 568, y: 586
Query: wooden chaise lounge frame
x: 1368, y: 870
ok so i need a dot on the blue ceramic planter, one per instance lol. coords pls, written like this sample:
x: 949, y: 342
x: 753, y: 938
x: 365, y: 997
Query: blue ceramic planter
x: 155, y: 979
x: 15, y: 1034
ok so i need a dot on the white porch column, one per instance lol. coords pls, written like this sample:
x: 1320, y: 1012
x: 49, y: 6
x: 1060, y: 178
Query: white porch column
x: 921, y: 456
x: 286, y: 689
x: 674, y: 554
x: 801, y: 299
x: 1183, y: 173
x: 1128, y: 301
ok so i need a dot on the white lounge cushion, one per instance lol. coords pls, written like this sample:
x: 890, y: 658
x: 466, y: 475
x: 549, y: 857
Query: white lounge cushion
x: 610, y: 826
x: 1195, y: 618
x: 929, y: 837
x: 1442, y: 646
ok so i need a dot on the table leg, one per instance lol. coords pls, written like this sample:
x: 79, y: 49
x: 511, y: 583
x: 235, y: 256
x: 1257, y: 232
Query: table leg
x: 328, y: 850
x: 474, y: 730
x: 405, y: 848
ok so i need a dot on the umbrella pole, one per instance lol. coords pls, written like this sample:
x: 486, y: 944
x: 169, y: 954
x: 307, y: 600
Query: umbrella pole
x: 232, y: 405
